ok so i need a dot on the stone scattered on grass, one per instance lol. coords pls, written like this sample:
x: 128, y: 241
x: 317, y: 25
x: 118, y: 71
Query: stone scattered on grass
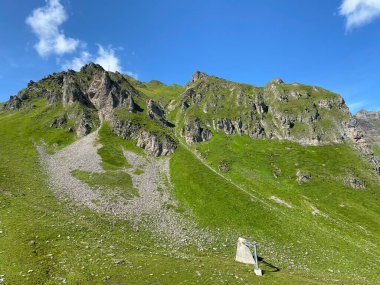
x: 354, y: 183
x: 315, y: 211
x: 119, y: 261
x: 302, y: 177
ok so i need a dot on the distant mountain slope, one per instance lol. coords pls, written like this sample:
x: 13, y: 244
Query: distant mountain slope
x: 369, y: 121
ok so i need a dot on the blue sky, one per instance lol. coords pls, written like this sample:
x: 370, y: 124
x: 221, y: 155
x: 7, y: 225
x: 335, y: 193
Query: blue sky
x: 330, y: 43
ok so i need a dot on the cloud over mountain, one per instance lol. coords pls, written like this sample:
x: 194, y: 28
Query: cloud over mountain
x: 45, y: 23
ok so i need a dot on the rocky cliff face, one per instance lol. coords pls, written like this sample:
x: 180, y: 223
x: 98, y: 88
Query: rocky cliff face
x: 156, y: 143
x: 304, y: 114
x: 208, y: 106
x: 358, y: 135
x: 370, y: 124
x: 96, y: 91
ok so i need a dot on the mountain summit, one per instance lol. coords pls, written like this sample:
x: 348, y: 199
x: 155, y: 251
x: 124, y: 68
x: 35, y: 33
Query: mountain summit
x: 308, y: 115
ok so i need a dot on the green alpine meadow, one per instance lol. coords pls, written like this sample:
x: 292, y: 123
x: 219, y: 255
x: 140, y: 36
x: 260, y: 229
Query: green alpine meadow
x: 105, y: 179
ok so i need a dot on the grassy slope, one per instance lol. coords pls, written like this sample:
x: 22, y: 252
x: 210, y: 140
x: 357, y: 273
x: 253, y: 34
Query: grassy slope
x: 292, y: 239
x: 84, y: 245
x: 221, y: 97
x: 376, y: 150
x: 160, y: 92
x: 44, y: 241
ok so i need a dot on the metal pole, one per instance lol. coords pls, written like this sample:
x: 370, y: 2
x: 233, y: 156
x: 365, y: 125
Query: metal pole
x: 255, y: 255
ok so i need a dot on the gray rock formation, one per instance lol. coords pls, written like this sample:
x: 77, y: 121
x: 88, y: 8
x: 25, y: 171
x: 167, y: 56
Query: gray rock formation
x: 198, y: 75
x: 354, y: 183
x: 302, y: 177
x: 92, y: 69
x: 304, y: 114
x: 106, y: 95
x: 298, y: 113
x: 277, y: 81
x: 224, y: 125
x: 153, y: 142
x: 194, y: 131
x: 357, y: 134
x: 72, y: 92
x: 156, y: 144
x: 126, y: 129
x: 84, y: 126
x: 155, y: 112
x: 14, y: 103
x: 369, y: 122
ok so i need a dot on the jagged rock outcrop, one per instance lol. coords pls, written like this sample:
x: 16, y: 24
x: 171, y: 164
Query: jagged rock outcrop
x: 304, y: 114
x: 198, y: 75
x: 156, y: 144
x: 356, y: 133
x: 92, y: 69
x: 152, y: 142
x: 194, y: 131
x: 106, y: 95
x: 155, y: 112
x: 354, y: 183
x: 236, y: 126
x: 369, y: 122
x: 224, y: 125
x: 71, y: 92
x: 126, y: 129
x: 84, y: 126
x: 369, y: 116
x: 14, y: 103
x: 276, y: 81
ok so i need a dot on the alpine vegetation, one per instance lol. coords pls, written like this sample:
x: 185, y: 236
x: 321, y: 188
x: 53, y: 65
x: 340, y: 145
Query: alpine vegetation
x: 106, y: 179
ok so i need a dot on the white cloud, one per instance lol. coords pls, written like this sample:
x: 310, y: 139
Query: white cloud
x: 359, y: 12
x: 45, y: 22
x: 106, y: 57
x: 77, y: 62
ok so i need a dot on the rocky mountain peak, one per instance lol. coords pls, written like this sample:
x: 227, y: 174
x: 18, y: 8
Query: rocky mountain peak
x: 368, y: 115
x: 91, y: 68
x: 198, y: 75
x: 208, y: 105
x: 276, y: 81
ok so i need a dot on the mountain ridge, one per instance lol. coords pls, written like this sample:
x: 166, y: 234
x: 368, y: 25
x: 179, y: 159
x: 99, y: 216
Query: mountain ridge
x: 206, y: 105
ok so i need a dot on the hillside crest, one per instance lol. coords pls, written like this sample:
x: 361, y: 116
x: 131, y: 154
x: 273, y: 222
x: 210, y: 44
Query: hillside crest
x: 152, y: 113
